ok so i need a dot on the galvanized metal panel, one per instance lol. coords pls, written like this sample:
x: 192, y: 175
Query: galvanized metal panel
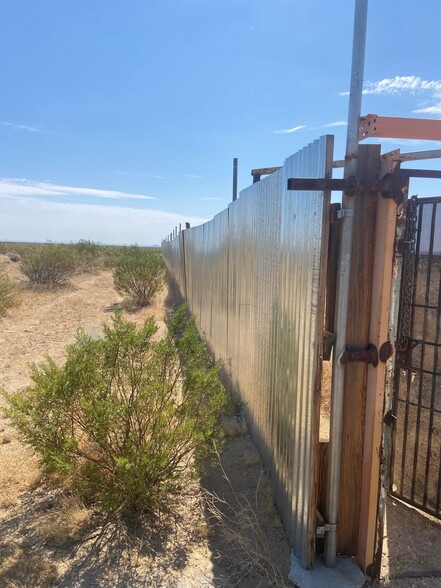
x: 253, y: 281
x: 299, y: 337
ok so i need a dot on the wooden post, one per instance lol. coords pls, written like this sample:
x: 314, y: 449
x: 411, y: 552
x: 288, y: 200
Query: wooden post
x: 378, y: 334
x: 358, y: 324
x: 234, y: 179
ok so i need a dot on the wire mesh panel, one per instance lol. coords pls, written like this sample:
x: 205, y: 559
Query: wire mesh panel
x: 254, y: 281
x: 416, y: 464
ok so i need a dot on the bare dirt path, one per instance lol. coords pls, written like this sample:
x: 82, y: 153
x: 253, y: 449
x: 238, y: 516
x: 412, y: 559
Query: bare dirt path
x: 47, y: 321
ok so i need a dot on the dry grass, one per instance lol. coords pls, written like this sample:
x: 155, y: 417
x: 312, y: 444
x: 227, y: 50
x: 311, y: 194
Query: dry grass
x: 65, y: 523
x: 21, y: 569
x: 19, y: 471
x: 234, y: 426
x: 10, y: 293
x: 244, y: 534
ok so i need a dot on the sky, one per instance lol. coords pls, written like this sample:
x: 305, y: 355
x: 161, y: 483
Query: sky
x: 120, y: 119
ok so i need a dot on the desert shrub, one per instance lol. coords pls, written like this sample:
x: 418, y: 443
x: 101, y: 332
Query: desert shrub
x: 126, y: 416
x: 139, y: 273
x: 88, y: 255
x: 14, y: 257
x: 109, y: 255
x: 10, y: 293
x: 50, y: 266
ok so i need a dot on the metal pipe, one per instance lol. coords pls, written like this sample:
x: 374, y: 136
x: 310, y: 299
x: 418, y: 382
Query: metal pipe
x: 234, y: 179
x: 338, y: 372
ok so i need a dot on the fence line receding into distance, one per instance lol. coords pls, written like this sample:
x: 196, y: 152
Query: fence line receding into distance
x: 254, y: 277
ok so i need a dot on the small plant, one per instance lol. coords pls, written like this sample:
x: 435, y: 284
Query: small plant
x: 88, y: 254
x: 10, y: 293
x: 124, y: 419
x: 14, y: 257
x: 139, y: 273
x: 50, y: 266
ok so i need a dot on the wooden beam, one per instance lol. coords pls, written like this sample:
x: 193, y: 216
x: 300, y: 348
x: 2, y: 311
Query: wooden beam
x: 357, y: 338
x: 264, y: 171
x: 378, y: 335
x: 373, y: 125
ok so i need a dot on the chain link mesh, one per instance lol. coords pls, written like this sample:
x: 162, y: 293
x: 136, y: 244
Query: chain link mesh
x: 407, y: 277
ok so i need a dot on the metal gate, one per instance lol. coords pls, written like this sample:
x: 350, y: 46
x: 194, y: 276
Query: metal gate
x: 416, y: 450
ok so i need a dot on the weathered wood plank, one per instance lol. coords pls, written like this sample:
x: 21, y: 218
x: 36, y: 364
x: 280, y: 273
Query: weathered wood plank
x: 357, y: 337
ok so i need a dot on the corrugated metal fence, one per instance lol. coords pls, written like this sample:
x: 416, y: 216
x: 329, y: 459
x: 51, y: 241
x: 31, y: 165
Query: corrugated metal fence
x: 254, y: 278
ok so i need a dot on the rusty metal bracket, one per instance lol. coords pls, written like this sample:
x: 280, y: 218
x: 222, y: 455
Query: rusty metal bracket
x: 386, y: 351
x: 392, y: 184
x: 389, y: 418
x: 349, y: 186
x: 369, y: 355
x: 323, y: 184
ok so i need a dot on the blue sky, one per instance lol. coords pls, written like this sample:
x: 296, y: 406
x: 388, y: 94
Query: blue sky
x: 120, y: 118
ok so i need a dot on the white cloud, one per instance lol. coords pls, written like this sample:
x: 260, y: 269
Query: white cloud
x: 337, y: 123
x: 22, y: 127
x: 11, y: 187
x: 194, y: 176
x: 293, y: 130
x: 435, y: 109
x: 402, y: 85
x: 413, y: 85
x: 30, y: 219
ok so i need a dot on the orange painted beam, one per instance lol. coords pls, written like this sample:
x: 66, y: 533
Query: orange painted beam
x: 373, y: 125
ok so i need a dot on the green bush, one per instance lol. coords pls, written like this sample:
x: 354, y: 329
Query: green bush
x: 125, y: 418
x: 139, y: 273
x: 10, y: 293
x: 50, y: 266
x: 88, y: 255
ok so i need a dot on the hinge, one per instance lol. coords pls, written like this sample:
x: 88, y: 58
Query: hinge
x: 369, y: 355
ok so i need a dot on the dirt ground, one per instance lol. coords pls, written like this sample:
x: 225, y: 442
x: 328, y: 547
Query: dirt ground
x: 411, y: 548
x: 48, y: 538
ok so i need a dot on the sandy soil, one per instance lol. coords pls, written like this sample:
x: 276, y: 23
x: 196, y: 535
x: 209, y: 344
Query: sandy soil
x: 411, y: 552
x: 49, y: 539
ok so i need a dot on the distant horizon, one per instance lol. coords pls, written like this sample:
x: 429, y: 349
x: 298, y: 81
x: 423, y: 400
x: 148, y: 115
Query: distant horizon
x: 99, y: 243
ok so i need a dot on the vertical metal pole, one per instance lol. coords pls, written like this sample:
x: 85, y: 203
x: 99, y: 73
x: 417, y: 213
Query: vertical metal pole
x: 234, y: 179
x: 338, y: 372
